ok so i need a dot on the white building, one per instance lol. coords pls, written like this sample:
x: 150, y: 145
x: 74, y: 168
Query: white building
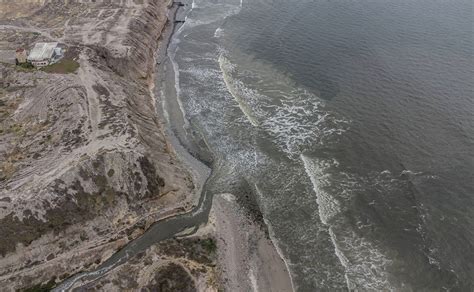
x: 44, y: 54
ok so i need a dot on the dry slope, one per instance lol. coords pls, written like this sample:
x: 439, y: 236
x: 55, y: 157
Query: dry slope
x: 84, y: 164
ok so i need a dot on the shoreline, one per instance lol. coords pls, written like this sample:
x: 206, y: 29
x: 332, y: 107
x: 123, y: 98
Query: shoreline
x: 268, y: 258
x: 271, y: 257
x: 247, y: 256
x: 271, y: 235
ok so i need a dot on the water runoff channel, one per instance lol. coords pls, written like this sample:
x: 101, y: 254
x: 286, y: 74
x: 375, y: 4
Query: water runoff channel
x: 176, y: 124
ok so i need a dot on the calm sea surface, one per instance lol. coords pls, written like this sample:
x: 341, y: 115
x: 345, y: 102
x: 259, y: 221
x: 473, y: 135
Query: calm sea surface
x: 351, y: 124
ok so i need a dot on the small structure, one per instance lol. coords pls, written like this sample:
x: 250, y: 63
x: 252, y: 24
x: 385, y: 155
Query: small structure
x: 21, y: 56
x: 44, y: 54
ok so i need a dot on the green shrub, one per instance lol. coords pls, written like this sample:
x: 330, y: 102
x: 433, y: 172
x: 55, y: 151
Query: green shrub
x: 64, y: 66
x: 25, y: 66
x: 42, y: 287
x: 209, y: 245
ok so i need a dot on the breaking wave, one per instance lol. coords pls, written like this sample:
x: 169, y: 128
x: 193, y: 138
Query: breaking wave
x: 214, y: 12
x: 235, y: 89
x: 219, y: 32
x: 329, y: 207
x: 365, y: 265
x: 294, y: 117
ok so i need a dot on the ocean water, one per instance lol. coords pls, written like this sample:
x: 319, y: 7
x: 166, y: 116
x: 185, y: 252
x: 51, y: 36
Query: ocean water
x: 350, y: 123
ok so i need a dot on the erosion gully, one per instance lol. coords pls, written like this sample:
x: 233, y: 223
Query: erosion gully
x: 166, y: 100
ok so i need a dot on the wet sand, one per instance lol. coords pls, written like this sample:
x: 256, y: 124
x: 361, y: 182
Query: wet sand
x: 247, y: 258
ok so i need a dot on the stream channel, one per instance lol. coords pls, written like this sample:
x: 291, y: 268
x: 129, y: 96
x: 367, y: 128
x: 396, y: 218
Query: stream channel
x: 176, y: 132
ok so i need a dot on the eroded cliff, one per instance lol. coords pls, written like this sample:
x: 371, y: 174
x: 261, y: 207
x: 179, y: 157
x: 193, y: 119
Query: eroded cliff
x: 85, y: 166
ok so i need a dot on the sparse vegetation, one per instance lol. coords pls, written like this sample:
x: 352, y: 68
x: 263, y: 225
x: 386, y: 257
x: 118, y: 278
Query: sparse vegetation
x: 25, y: 67
x: 209, y: 245
x: 172, y: 277
x: 64, y: 66
x: 42, y: 287
x: 17, y: 129
x: 64, y: 276
x: 83, y: 236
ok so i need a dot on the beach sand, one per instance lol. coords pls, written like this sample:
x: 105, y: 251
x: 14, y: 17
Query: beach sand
x: 247, y: 258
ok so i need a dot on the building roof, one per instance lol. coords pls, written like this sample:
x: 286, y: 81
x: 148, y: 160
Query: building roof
x: 20, y: 50
x: 42, y: 51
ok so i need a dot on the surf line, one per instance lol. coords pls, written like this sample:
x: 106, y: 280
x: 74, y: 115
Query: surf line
x: 328, y: 207
x: 223, y: 63
x: 273, y: 239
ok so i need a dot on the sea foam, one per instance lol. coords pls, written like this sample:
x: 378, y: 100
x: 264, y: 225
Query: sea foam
x: 328, y: 205
x: 226, y: 67
x: 364, y: 263
x: 294, y: 117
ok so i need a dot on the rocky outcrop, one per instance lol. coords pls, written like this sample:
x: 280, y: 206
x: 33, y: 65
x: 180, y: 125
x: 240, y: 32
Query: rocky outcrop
x: 85, y: 166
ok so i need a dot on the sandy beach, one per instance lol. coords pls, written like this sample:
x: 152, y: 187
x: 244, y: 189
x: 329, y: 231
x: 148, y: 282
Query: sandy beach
x: 247, y: 258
